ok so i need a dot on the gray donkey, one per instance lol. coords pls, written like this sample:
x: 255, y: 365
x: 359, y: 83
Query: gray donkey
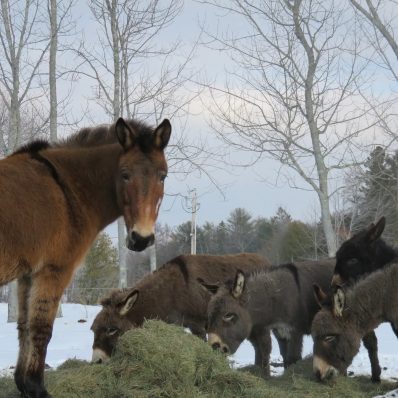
x: 281, y: 298
x: 338, y: 328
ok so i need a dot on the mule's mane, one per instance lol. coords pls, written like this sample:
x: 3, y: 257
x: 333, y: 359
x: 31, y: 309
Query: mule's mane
x: 105, y: 134
x: 32, y: 147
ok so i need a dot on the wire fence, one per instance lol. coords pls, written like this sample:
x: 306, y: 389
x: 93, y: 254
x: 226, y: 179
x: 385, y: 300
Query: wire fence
x: 80, y: 295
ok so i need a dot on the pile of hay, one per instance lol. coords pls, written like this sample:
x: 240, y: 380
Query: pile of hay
x: 161, y: 360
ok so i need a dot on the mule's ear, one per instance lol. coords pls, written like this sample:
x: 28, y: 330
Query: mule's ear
x: 162, y: 134
x: 375, y: 231
x: 320, y: 295
x: 125, y: 134
x: 239, y: 284
x: 213, y: 289
x: 127, y: 303
x: 338, y: 302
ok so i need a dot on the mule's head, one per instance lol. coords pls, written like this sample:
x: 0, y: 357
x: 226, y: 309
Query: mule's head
x: 361, y: 254
x: 229, y: 322
x: 140, y: 181
x: 111, y: 322
x: 336, y: 341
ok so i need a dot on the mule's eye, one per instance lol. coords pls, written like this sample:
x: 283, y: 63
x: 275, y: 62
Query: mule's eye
x: 112, y: 331
x: 125, y: 176
x: 329, y: 339
x: 162, y: 177
x: 229, y: 317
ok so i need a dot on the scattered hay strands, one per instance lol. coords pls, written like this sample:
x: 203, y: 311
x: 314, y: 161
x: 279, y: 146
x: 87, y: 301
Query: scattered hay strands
x: 162, y: 361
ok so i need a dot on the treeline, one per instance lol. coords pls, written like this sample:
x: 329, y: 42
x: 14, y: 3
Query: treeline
x: 372, y: 192
x: 280, y: 238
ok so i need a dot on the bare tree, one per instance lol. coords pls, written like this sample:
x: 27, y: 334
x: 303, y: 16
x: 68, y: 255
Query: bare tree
x: 23, y: 46
x: 379, y: 26
x: 136, y: 77
x: 291, y: 89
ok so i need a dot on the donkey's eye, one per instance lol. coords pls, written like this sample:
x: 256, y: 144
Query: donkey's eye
x: 125, y: 176
x: 229, y: 317
x: 112, y: 331
x: 329, y: 339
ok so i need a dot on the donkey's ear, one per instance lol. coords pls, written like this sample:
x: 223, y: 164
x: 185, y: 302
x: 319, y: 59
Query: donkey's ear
x: 375, y: 231
x: 338, y: 302
x: 213, y: 289
x: 125, y: 134
x: 162, y: 134
x: 127, y: 303
x: 320, y: 295
x: 239, y: 284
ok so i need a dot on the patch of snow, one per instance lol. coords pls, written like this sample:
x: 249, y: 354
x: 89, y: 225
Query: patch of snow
x: 74, y: 339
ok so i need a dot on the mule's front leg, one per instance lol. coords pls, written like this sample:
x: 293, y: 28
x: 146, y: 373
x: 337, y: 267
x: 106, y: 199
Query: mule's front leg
x: 47, y: 288
x: 24, y: 285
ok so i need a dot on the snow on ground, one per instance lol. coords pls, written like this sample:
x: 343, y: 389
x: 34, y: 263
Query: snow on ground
x: 73, y: 339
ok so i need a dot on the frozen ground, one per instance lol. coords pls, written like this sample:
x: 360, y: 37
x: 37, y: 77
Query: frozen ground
x: 73, y: 338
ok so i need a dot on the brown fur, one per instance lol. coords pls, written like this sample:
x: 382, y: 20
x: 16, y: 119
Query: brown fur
x: 368, y: 303
x: 281, y: 298
x: 171, y: 294
x: 54, y: 201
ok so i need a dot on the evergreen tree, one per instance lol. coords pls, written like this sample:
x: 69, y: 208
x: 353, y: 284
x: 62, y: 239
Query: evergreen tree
x: 100, y: 271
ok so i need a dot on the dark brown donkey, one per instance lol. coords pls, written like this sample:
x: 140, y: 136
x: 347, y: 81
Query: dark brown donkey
x: 171, y: 294
x: 281, y: 299
x: 55, y: 199
x: 363, y: 253
x: 371, y: 301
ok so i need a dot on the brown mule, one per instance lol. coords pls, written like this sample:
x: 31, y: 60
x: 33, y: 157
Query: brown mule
x: 54, y: 201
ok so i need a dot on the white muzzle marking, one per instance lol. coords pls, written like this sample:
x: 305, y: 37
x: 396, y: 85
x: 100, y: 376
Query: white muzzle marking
x: 99, y: 356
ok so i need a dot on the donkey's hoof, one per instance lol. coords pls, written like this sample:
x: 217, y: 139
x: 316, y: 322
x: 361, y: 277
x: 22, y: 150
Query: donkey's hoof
x: 375, y: 379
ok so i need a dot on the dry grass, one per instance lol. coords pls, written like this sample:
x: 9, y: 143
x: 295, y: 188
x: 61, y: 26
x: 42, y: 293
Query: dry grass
x: 163, y: 361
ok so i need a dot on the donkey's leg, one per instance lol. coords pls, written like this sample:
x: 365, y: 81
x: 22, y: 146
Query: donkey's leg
x: 294, y: 348
x: 262, y: 343
x: 370, y: 343
x: 198, y: 330
x: 283, y: 346
x: 24, y: 285
x: 47, y: 288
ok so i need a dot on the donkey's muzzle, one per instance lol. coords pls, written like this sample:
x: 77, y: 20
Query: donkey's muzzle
x: 138, y: 243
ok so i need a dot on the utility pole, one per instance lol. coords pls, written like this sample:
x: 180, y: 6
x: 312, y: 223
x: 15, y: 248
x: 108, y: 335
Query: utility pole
x: 152, y: 257
x: 193, y: 223
x: 122, y: 253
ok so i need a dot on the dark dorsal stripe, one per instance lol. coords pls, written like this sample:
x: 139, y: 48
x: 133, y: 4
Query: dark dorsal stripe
x: 293, y: 269
x: 182, y: 266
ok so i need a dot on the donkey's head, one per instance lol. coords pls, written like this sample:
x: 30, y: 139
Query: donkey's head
x: 140, y: 180
x: 363, y: 253
x: 229, y: 322
x: 336, y: 338
x: 111, y: 322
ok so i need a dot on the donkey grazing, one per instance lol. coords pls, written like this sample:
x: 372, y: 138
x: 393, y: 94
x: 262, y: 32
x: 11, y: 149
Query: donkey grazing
x: 371, y: 301
x: 171, y: 294
x: 281, y: 299
x: 57, y: 198
x: 362, y: 254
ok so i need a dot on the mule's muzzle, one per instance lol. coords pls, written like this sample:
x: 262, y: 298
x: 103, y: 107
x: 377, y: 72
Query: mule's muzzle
x: 138, y: 243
